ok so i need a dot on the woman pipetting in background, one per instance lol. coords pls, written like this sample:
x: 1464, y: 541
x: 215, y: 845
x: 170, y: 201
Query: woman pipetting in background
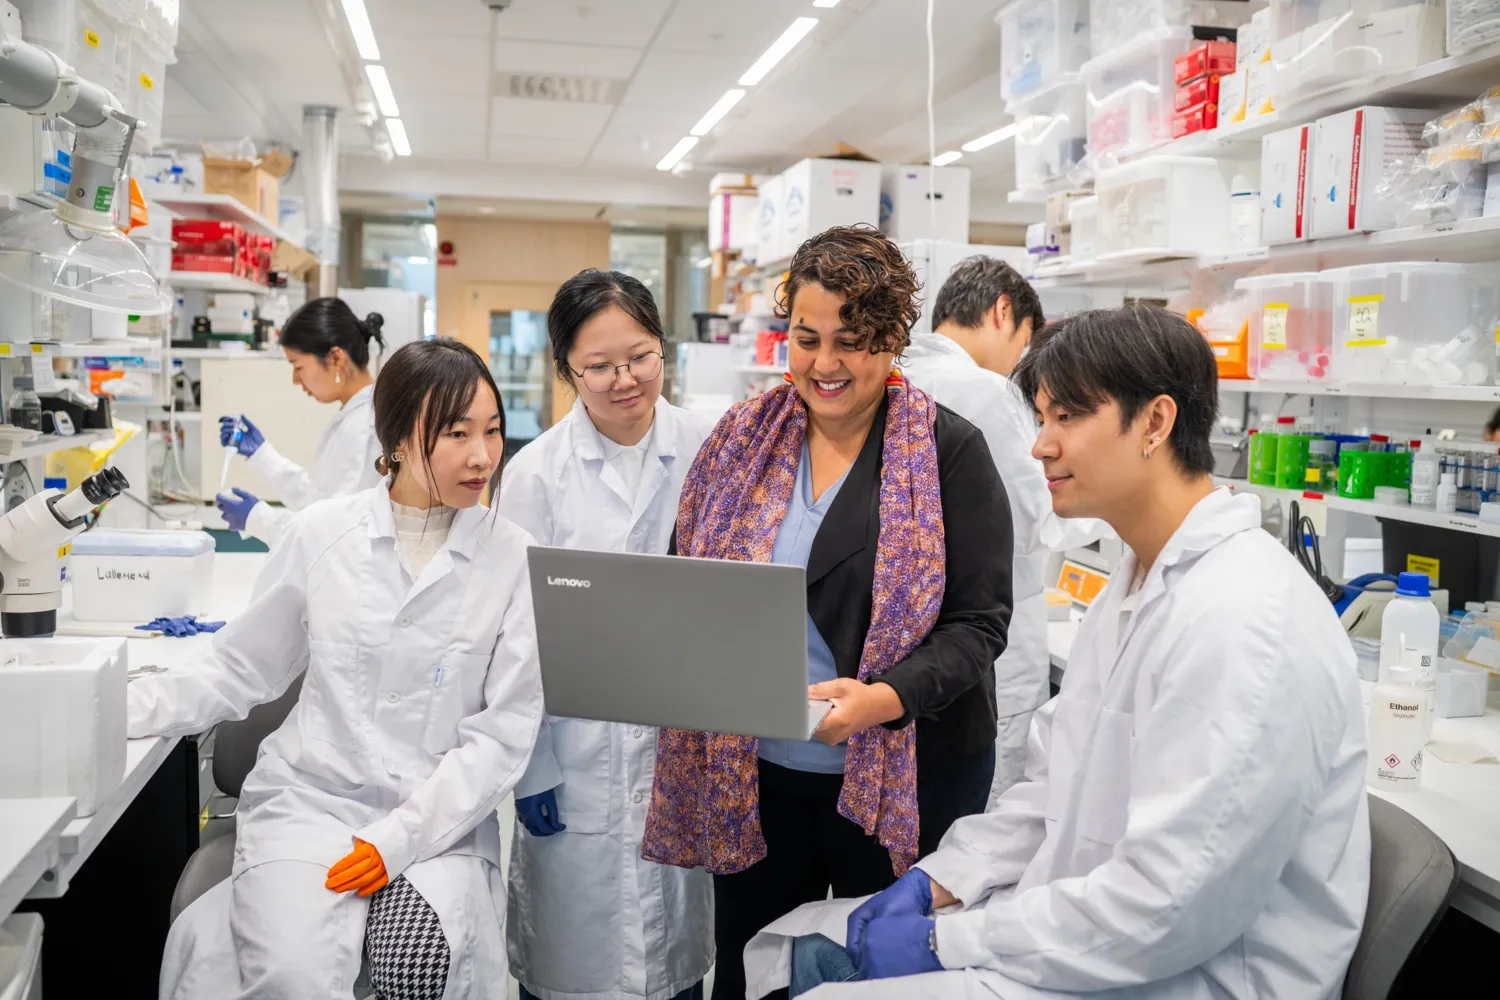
x: 588, y: 917
x: 367, y: 828
x: 329, y: 350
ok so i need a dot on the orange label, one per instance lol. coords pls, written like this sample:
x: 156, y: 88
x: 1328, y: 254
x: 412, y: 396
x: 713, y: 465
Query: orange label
x: 1080, y: 582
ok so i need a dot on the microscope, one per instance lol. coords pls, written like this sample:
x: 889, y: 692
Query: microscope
x: 32, y: 540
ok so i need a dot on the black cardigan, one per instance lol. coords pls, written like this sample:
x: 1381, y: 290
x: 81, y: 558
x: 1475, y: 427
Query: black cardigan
x: 948, y: 682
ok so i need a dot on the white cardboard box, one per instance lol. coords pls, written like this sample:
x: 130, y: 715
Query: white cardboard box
x: 906, y: 192
x: 768, y: 228
x: 1286, y: 161
x: 732, y: 220
x: 819, y: 194
x: 1355, y: 150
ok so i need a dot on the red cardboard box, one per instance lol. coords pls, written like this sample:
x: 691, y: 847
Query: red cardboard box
x: 1204, y: 90
x: 203, y: 236
x: 212, y: 263
x: 1206, y: 57
x: 1198, y: 118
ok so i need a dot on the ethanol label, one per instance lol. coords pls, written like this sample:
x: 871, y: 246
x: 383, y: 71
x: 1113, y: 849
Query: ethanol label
x: 1364, y: 321
x: 1273, y: 325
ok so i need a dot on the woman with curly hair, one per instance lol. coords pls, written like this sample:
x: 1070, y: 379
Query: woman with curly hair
x: 893, y: 505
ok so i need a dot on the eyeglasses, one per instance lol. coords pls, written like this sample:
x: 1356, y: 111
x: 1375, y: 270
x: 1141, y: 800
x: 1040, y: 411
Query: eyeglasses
x: 602, y: 377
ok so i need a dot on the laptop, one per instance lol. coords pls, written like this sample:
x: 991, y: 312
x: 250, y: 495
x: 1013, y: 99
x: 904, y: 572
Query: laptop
x: 704, y: 644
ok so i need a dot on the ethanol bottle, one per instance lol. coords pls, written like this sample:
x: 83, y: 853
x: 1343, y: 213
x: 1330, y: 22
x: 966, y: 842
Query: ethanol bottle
x: 1397, y: 707
x: 1412, y: 615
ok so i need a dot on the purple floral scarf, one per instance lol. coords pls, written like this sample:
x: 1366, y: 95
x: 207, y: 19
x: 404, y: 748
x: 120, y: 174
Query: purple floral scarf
x: 705, y: 802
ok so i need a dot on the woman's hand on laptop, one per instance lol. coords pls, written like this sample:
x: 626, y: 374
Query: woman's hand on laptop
x: 856, y: 706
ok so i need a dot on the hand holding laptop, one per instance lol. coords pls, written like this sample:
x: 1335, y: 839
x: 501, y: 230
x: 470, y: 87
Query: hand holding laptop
x: 856, y: 706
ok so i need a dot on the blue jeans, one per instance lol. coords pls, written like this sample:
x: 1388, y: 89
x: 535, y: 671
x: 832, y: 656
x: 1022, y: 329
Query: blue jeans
x: 817, y: 960
x: 691, y: 993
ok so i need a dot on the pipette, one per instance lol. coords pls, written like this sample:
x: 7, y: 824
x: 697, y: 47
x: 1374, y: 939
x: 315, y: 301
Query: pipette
x: 229, y: 451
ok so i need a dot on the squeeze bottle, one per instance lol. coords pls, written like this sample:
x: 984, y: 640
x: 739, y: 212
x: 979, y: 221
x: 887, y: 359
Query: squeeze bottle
x: 1396, y: 710
x: 1410, y: 621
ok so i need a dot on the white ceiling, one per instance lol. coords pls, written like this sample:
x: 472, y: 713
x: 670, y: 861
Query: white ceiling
x: 859, y: 78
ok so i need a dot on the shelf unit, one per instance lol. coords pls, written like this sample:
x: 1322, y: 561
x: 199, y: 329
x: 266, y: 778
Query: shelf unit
x: 1395, y: 512
x: 760, y: 370
x: 69, y: 349
x: 208, y: 281
x: 219, y: 353
x: 1440, y: 393
x: 48, y: 443
x: 221, y: 207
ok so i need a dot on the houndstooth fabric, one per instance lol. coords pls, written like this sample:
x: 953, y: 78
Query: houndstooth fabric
x: 404, y: 945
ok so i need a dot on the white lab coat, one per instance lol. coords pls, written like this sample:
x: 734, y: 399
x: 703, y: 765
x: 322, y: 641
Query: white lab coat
x: 990, y: 401
x: 418, y: 714
x: 1193, y: 823
x: 589, y: 917
x: 344, y: 463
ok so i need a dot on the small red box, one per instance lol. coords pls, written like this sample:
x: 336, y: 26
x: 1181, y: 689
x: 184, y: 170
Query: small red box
x: 1198, y: 118
x: 202, y: 236
x: 1204, y: 90
x: 1207, y: 57
x: 212, y: 263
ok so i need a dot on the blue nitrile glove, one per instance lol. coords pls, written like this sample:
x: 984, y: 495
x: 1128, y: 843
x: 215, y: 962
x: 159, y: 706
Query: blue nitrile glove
x: 910, y: 896
x: 250, y: 436
x: 179, y: 627
x: 236, y: 509
x: 898, y: 946
x: 539, y: 814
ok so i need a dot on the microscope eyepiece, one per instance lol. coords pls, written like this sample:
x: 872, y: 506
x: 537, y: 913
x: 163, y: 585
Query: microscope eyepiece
x: 104, y: 485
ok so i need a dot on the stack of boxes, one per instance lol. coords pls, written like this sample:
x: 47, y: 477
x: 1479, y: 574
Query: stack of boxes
x: 214, y: 247
x: 1198, y: 74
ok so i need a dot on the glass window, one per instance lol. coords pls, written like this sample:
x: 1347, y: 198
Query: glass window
x: 518, y: 360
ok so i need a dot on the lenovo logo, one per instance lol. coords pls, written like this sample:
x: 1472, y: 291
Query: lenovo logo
x: 564, y: 581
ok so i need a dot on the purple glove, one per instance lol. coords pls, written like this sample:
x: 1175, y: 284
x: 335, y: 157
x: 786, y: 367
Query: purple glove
x: 539, y: 814
x: 236, y: 508
x: 898, y: 946
x: 910, y: 896
x: 241, y: 434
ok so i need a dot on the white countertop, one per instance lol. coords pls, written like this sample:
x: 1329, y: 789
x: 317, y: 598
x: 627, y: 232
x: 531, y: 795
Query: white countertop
x: 29, y: 831
x: 1458, y: 802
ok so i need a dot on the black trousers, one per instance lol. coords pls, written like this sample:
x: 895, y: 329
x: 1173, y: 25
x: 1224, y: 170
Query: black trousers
x: 811, y: 849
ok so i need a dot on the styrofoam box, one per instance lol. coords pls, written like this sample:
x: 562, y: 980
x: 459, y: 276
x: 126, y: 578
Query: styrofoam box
x: 1163, y: 206
x: 62, y: 719
x: 819, y: 194
x: 1083, y: 217
x: 1414, y: 323
x: 768, y: 228
x: 134, y: 575
x: 1355, y: 151
x: 1291, y: 326
x: 907, y: 191
x: 1050, y: 137
x: 1041, y: 43
x: 1129, y: 92
x: 1286, y: 167
x: 732, y: 220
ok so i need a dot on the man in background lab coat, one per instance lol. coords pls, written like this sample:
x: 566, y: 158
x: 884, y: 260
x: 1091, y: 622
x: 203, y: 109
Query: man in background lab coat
x: 1193, y: 822
x: 985, y: 318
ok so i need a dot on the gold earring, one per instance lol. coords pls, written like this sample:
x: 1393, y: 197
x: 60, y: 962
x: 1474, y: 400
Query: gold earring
x: 397, y: 457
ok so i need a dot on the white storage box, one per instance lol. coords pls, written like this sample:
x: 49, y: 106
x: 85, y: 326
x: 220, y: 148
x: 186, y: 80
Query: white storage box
x: 1414, y: 323
x: 820, y: 194
x: 1286, y: 167
x: 1042, y: 43
x: 1349, y: 42
x: 1050, y: 136
x: 1291, y: 326
x: 62, y: 719
x: 144, y: 84
x: 1130, y: 91
x: 1355, y: 151
x: 1083, y: 217
x: 732, y: 220
x: 768, y: 228
x: 906, y: 192
x: 1163, y: 206
x: 136, y: 575
x: 21, y: 957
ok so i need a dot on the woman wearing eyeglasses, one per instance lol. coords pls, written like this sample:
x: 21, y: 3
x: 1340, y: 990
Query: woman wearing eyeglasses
x: 588, y: 917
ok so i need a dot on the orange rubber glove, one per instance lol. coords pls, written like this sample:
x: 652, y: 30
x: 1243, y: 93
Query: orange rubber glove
x: 362, y: 869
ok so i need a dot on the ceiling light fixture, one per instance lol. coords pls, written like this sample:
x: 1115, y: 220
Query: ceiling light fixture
x: 677, y: 152
x: 943, y: 159
x: 399, y: 142
x: 359, y: 26
x: 986, y: 141
x: 718, y: 111
x: 385, y: 97
x: 778, y: 50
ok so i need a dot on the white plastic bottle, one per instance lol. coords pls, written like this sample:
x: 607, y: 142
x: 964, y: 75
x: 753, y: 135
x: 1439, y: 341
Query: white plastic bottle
x: 1396, y: 710
x: 1447, y: 494
x: 1424, y: 476
x: 1410, y: 621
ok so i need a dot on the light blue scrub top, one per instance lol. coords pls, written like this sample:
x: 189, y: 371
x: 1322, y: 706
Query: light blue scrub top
x: 794, y: 540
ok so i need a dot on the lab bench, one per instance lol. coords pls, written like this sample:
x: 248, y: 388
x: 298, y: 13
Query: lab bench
x: 29, y: 834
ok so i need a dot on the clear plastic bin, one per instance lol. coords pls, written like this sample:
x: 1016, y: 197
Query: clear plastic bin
x: 144, y: 87
x: 1472, y: 24
x: 1414, y: 323
x: 1042, y: 42
x: 1291, y: 326
x: 1049, y: 140
x: 88, y: 35
x: 1129, y: 94
x: 1163, y: 206
x: 1317, y: 46
x: 1112, y: 23
x: 1083, y: 218
x: 159, y: 17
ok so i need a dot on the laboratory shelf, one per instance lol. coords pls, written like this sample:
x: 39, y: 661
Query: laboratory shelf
x: 208, y: 281
x: 71, y: 349
x: 222, y: 208
x: 1444, y: 393
x: 1394, y: 512
x: 775, y: 266
x: 761, y: 370
x: 223, y: 354
x: 48, y: 443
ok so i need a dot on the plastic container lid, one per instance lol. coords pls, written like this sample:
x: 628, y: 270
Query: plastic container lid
x: 1258, y: 281
x: 1285, y: 420
x: 1413, y: 585
x: 1364, y: 272
x: 142, y: 542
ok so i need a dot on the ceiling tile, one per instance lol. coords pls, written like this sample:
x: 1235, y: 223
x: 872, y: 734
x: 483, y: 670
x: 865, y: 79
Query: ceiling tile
x: 602, y: 22
x: 608, y: 61
x: 437, y: 64
x: 446, y: 126
x: 391, y: 18
x: 661, y: 81
x: 728, y: 29
x: 531, y: 151
x: 547, y: 119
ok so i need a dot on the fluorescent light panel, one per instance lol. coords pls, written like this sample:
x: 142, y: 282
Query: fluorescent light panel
x: 986, y: 141
x: 718, y: 111
x: 943, y: 159
x: 778, y: 50
x: 359, y: 25
x: 675, y: 155
x: 399, y: 142
x: 385, y: 97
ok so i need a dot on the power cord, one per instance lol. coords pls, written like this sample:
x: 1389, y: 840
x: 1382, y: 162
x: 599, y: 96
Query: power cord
x: 1302, y: 540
